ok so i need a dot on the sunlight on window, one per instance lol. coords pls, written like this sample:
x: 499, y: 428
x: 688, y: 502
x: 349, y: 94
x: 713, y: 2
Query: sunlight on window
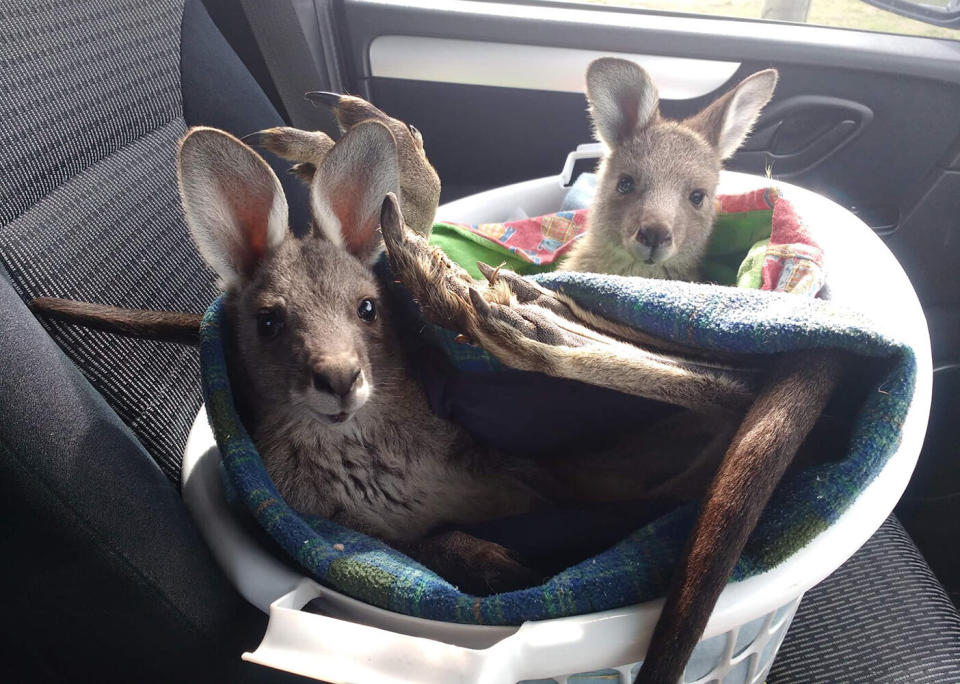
x: 850, y: 14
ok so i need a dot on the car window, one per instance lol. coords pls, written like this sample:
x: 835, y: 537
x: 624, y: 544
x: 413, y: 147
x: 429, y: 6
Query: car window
x: 848, y: 14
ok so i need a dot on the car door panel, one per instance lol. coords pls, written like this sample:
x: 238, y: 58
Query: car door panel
x: 916, y: 112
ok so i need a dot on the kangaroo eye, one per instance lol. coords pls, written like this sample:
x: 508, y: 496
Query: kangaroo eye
x: 696, y: 198
x: 367, y: 311
x: 269, y: 323
x: 415, y: 133
x: 625, y: 185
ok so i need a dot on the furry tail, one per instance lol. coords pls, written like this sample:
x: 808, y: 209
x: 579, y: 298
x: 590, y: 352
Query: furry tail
x: 165, y: 326
x: 776, y: 424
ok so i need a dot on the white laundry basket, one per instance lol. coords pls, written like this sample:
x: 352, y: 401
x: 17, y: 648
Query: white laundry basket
x: 354, y: 642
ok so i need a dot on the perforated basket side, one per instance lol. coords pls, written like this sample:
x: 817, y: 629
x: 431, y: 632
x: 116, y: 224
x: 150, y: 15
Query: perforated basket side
x: 743, y: 655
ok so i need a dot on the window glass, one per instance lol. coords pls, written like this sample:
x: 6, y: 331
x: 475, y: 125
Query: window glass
x: 851, y: 14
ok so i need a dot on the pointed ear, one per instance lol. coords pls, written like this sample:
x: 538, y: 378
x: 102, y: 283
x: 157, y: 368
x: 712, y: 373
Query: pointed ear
x: 622, y: 99
x: 348, y: 188
x: 391, y: 218
x: 233, y: 202
x: 726, y: 122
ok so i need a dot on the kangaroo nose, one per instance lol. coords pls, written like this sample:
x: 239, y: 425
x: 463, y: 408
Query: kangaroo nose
x: 654, y: 235
x: 337, y: 380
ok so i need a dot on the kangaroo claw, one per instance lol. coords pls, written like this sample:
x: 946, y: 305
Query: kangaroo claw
x: 323, y: 98
x: 254, y: 139
x: 490, y: 273
x: 304, y: 171
x: 533, y: 329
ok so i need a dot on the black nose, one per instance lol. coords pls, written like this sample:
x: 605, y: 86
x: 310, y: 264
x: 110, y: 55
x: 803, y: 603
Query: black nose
x: 336, y: 381
x: 654, y: 235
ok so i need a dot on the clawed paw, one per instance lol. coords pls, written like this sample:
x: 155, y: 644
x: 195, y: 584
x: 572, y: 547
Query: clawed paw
x: 294, y: 145
x: 494, y: 569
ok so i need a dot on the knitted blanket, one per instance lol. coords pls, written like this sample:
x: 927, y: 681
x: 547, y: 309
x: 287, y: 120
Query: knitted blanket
x: 638, y: 568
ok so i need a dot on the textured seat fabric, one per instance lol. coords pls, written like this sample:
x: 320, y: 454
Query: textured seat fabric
x: 106, y: 578
x: 88, y: 195
x: 89, y: 207
x: 881, y: 617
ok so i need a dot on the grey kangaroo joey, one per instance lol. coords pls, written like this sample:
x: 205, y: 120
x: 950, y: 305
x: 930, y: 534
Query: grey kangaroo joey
x: 653, y: 216
x: 656, y: 188
x: 318, y: 374
x: 419, y: 195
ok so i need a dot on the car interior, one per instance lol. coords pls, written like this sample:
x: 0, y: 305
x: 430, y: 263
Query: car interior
x: 107, y: 577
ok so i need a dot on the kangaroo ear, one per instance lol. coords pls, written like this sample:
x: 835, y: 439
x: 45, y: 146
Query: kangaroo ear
x: 726, y: 122
x: 348, y: 188
x: 233, y: 202
x: 622, y: 99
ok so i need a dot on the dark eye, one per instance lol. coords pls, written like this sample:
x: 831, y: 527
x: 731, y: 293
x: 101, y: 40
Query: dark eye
x: 414, y: 132
x: 696, y: 198
x: 625, y: 185
x: 269, y: 323
x: 367, y: 311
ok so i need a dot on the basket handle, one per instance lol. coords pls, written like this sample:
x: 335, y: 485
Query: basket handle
x: 339, y: 651
x: 584, y: 151
x: 342, y: 652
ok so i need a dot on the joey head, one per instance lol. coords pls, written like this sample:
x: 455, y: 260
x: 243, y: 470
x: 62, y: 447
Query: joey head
x: 654, y: 208
x: 320, y: 380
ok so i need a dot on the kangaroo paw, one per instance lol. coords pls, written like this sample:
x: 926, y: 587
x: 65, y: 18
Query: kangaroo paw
x: 529, y: 328
x: 293, y: 145
x: 438, y: 284
x: 475, y: 566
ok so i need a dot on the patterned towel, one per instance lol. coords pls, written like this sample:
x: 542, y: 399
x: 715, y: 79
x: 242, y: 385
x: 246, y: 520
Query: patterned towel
x: 759, y: 240
x: 639, y: 567
x: 527, y: 246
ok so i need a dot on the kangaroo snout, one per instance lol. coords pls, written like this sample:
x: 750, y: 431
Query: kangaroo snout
x: 654, y: 235
x: 653, y: 242
x: 338, y: 381
x: 340, y: 385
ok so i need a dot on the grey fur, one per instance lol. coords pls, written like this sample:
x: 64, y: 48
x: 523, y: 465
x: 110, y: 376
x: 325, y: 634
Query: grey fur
x: 374, y: 458
x: 419, y: 184
x: 622, y: 99
x: 668, y: 161
x: 235, y: 196
x: 655, y: 230
x: 360, y: 445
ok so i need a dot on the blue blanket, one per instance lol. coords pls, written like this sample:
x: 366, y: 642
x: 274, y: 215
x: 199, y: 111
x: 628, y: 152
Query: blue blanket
x: 637, y: 568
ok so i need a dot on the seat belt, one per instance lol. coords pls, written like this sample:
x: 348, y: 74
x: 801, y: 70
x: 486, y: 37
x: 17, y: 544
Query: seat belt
x: 292, y: 64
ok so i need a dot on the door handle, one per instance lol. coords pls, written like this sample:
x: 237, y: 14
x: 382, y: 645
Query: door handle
x: 800, y: 133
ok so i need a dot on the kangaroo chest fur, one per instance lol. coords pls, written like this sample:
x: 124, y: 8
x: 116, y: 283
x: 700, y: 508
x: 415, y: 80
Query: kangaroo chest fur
x: 595, y: 253
x: 395, y: 470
